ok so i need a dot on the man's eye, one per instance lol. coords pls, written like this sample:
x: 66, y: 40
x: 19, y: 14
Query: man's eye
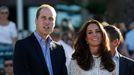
x: 43, y: 17
x: 51, y: 19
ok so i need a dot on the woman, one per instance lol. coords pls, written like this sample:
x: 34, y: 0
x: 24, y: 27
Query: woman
x: 8, y: 34
x: 92, y: 55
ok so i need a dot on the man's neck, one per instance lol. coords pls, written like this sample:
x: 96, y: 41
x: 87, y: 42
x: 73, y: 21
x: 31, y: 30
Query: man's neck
x: 44, y: 36
x: 113, y: 51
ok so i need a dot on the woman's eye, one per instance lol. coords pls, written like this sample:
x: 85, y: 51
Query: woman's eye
x: 98, y: 31
x: 89, y: 32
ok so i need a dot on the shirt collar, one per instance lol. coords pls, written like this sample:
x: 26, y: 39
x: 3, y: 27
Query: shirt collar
x: 40, y: 39
x: 116, y: 56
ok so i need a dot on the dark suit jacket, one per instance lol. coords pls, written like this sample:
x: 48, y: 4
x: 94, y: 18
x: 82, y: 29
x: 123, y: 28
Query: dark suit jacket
x: 126, y: 66
x: 28, y: 58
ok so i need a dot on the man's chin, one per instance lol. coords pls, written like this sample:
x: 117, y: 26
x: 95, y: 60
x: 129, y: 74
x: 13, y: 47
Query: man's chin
x: 47, y: 33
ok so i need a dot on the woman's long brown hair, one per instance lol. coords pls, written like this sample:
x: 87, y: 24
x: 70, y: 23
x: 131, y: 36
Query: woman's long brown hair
x: 82, y: 52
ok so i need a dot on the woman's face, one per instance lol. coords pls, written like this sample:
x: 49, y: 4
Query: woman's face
x: 93, y: 37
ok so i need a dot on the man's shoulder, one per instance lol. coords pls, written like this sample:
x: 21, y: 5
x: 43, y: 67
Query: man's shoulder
x: 127, y: 59
x: 25, y: 40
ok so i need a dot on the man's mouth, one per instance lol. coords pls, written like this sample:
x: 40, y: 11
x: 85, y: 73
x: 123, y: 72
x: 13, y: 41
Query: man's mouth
x: 46, y: 27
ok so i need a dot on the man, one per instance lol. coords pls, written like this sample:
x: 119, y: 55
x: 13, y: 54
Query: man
x: 124, y: 65
x: 8, y: 66
x: 38, y: 54
x: 56, y: 35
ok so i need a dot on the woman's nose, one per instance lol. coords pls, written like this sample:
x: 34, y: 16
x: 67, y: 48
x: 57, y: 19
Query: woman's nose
x: 94, y: 34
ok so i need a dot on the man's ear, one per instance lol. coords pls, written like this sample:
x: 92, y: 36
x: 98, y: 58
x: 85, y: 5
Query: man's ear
x: 35, y: 21
x: 116, y: 42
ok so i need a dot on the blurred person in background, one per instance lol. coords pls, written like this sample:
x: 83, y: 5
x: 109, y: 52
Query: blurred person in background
x: 1, y: 71
x: 66, y: 25
x: 57, y: 36
x: 129, y: 40
x: 122, y: 48
x: 8, y: 34
x: 92, y: 55
x: 67, y: 30
x: 38, y: 54
x: 122, y: 28
x: 8, y: 66
x: 124, y: 65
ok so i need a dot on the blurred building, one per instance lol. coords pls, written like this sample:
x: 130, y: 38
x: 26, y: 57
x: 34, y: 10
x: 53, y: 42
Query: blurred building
x: 109, y: 10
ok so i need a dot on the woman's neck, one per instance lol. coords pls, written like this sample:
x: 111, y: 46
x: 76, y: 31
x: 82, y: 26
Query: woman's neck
x: 4, y: 22
x: 94, y: 51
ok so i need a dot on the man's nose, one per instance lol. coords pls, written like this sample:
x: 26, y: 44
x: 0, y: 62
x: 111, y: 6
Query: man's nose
x: 46, y: 21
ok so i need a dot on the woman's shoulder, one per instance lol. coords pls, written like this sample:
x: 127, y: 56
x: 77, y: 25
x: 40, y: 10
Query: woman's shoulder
x: 12, y: 25
x: 74, y: 68
x: 73, y: 63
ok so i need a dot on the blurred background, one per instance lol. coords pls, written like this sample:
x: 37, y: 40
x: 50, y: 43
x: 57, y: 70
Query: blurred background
x: 77, y: 11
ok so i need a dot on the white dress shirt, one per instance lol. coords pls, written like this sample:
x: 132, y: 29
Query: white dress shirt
x: 116, y: 60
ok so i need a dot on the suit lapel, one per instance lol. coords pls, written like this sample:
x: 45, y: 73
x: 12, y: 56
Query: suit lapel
x: 123, y: 69
x: 53, y: 56
x: 38, y: 49
x: 121, y: 66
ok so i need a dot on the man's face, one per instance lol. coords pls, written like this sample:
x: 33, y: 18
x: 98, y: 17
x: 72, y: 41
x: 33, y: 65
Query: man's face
x: 113, y: 43
x: 45, y: 22
x: 8, y: 66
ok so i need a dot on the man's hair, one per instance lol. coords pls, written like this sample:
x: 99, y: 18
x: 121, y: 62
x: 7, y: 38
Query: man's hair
x: 114, y: 33
x: 45, y: 6
x: 7, y: 58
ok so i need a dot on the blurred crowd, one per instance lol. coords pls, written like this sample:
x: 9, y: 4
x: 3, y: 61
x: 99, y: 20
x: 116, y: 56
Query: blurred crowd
x: 63, y: 34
